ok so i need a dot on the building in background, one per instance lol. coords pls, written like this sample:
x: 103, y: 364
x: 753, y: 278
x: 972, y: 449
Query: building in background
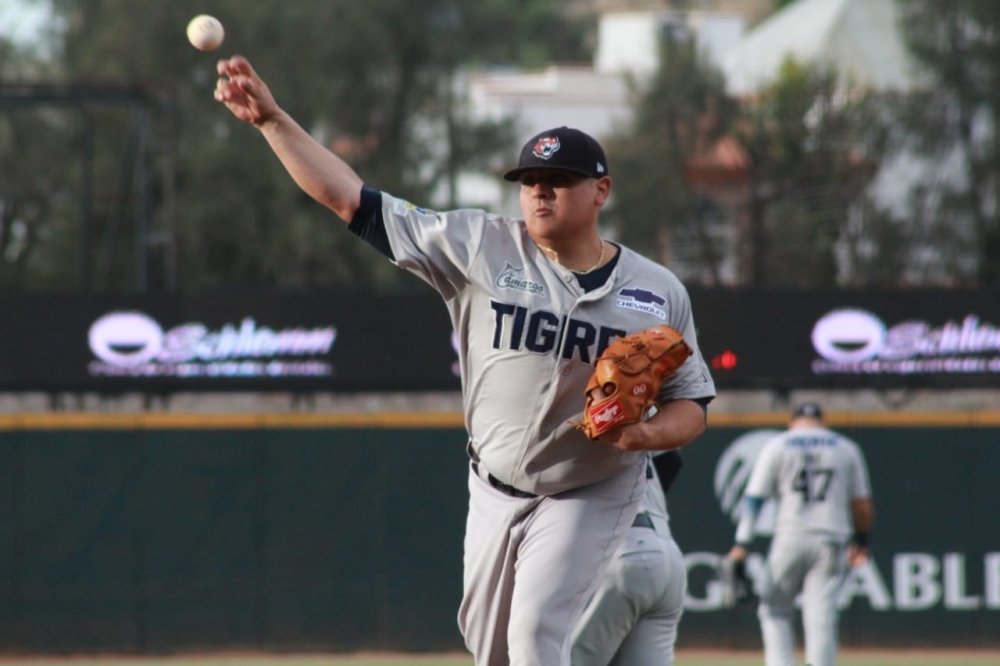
x: 860, y: 39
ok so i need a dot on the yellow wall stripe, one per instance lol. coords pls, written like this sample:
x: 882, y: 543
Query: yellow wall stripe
x: 967, y: 419
x: 177, y: 421
x: 170, y: 421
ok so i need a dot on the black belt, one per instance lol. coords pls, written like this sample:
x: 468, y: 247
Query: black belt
x: 505, y: 488
x: 642, y: 519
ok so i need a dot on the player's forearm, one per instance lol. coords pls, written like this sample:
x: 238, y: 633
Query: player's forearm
x: 751, y: 507
x: 863, y: 514
x: 675, y: 424
x: 318, y: 171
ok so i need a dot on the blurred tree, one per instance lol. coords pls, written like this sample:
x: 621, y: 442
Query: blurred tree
x: 954, y: 127
x: 375, y: 79
x: 680, y: 112
x: 810, y: 152
x: 38, y: 219
x: 814, y: 148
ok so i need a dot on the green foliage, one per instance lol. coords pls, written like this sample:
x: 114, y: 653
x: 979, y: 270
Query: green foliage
x: 39, y: 179
x: 36, y: 187
x: 372, y: 77
x: 813, y: 148
x: 811, y: 151
x: 956, y: 121
x: 811, y: 215
x: 679, y: 112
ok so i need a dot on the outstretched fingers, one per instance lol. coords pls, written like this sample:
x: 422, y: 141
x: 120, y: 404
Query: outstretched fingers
x: 235, y: 66
x: 242, y: 91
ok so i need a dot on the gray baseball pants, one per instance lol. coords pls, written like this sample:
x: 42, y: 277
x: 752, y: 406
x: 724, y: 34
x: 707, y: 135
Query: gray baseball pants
x: 815, y: 567
x: 532, y: 563
x: 633, y: 616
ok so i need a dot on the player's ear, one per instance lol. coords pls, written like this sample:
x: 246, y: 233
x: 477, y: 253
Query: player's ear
x: 602, y: 190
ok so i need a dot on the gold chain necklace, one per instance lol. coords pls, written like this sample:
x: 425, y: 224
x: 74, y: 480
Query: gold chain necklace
x: 555, y: 257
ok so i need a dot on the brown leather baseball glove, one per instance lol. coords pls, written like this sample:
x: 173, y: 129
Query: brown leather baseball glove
x: 630, y: 373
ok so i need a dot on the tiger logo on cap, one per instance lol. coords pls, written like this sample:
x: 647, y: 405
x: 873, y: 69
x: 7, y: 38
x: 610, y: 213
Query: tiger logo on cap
x: 546, y: 147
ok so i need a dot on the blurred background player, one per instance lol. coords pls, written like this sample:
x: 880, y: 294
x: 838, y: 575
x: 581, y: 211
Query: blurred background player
x: 632, y: 618
x: 820, y: 481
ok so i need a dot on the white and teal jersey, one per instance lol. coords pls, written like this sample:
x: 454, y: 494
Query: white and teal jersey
x: 529, y: 335
x: 814, y: 473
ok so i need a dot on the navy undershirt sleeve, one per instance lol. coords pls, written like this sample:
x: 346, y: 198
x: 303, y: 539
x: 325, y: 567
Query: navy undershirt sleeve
x: 368, y: 223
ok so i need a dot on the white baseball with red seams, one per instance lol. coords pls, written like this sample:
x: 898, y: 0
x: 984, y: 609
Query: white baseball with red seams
x: 205, y: 32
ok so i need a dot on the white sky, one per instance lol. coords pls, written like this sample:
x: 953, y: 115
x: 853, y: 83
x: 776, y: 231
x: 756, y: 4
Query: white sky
x: 20, y: 20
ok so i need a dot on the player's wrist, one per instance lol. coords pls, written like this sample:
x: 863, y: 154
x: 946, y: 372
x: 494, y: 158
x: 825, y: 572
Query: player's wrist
x: 745, y: 530
x: 860, y: 539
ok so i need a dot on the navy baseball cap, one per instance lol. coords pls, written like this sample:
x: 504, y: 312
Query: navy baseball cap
x: 561, y: 148
x: 808, y: 409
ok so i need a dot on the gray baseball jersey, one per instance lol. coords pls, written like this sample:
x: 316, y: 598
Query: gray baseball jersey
x: 529, y: 335
x: 815, y: 474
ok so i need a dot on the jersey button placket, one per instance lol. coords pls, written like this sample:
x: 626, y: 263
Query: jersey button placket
x: 542, y: 418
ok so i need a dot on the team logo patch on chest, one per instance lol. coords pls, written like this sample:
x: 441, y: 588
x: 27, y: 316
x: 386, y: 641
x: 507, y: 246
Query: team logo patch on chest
x: 513, y: 278
x: 642, y: 300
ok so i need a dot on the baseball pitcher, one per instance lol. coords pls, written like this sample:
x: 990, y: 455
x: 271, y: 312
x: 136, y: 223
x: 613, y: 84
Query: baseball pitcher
x: 535, y: 302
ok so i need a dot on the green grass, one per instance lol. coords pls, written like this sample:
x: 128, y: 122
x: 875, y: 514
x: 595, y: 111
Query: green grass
x: 888, y: 658
x: 684, y: 658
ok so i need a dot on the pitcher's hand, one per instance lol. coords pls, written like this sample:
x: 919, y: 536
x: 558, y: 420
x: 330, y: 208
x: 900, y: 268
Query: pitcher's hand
x: 243, y: 92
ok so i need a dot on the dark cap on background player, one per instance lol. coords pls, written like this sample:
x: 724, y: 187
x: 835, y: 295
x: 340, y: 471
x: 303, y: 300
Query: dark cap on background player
x: 561, y: 148
x: 808, y: 410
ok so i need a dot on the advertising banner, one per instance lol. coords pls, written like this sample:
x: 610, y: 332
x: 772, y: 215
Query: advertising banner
x: 849, y: 339
x: 353, y: 341
x: 234, y: 341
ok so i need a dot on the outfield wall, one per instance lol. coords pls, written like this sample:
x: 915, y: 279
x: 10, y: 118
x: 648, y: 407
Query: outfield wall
x: 157, y: 533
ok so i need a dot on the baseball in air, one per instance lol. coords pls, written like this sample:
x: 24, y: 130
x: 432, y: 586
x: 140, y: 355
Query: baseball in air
x: 205, y: 32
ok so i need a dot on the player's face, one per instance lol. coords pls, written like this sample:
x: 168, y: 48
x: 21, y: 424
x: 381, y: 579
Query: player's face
x: 556, y: 202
